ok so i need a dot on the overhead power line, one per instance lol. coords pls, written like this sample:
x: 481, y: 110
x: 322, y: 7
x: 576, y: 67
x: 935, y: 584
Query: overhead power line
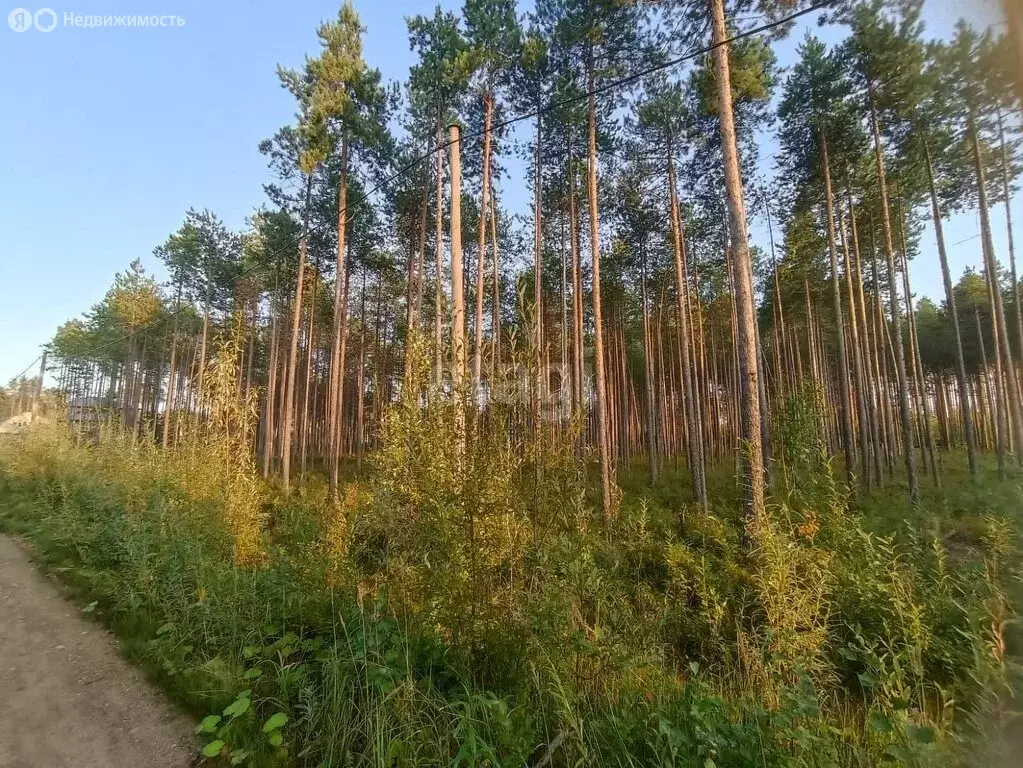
x: 478, y: 134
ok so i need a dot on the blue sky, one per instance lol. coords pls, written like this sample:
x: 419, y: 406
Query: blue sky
x: 108, y: 135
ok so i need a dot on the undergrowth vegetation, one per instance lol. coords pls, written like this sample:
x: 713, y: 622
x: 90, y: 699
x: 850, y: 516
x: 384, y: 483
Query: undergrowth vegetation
x: 474, y: 608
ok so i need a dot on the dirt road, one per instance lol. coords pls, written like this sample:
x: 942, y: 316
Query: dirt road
x: 67, y: 697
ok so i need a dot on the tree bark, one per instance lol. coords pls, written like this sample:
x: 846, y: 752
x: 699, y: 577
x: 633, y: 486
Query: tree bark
x: 289, y: 382
x: 900, y: 356
x: 438, y: 315
x: 457, y: 291
x: 477, y: 359
x: 845, y: 395
x: 335, y: 388
x: 694, y: 445
x: 752, y: 453
x: 1012, y: 244
x: 603, y: 438
x: 950, y: 299
x: 1003, y: 349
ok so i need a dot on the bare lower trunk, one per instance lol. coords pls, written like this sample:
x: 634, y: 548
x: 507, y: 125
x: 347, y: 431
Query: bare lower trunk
x: 900, y: 357
x: 694, y: 445
x: 169, y: 407
x: 335, y: 387
x: 749, y: 369
x: 1003, y: 348
x: 496, y: 301
x: 477, y: 357
x: 438, y: 315
x: 649, y: 376
x: 603, y: 437
x: 1012, y: 244
x: 845, y: 415
x: 457, y: 291
x: 289, y: 383
x: 950, y: 299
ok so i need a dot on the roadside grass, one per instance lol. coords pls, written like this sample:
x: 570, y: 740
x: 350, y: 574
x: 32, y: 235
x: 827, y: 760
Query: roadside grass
x: 485, y: 614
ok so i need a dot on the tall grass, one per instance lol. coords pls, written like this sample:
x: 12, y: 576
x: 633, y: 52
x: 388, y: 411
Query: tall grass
x: 477, y: 610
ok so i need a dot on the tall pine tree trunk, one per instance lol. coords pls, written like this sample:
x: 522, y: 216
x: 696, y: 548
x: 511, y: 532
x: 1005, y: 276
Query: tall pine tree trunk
x: 649, y: 375
x: 1012, y: 244
x: 950, y: 299
x: 752, y: 459
x: 169, y: 407
x: 496, y: 287
x: 438, y: 314
x: 845, y: 415
x: 603, y: 437
x: 857, y: 356
x: 694, y: 445
x: 900, y: 356
x: 457, y: 291
x: 477, y: 358
x: 289, y: 383
x: 335, y: 388
x: 577, y: 295
x: 1003, y: 349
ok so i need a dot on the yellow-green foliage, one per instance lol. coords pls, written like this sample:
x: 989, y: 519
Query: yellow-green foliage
x: 792, y: 585
x: 217, y: 449
x: 447, y: 518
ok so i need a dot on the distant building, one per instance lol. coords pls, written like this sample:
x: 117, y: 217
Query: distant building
x: 88, y: 410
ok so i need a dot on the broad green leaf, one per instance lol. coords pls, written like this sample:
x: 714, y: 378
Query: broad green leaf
x: 213, y: 748
x: 208, y: 724
x: 275, y: 721
x: 238, y: 707
x: 275, y: 738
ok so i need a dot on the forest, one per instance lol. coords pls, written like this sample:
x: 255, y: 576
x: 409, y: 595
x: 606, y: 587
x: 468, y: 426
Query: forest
x: 493, y: 438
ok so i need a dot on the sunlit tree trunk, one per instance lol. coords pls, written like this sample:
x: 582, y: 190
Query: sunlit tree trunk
x: 857, y: 355
x: 1009, y: 234
x: 603, y: 437
x: 845, y: 415
x: 496, y: 287
x: 1003, y: 349
x: 477, y: 358
x: 753, y: 466
x: 577, y: 296
x: 289, y: 383
x: 457, y: 290
x: 335, y: 388
x: 169, y: 407
x: 900, y: 356
x: 650, y: 376
x: 694, y: 444
x: 950, y: 301
x: 438, y: 315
